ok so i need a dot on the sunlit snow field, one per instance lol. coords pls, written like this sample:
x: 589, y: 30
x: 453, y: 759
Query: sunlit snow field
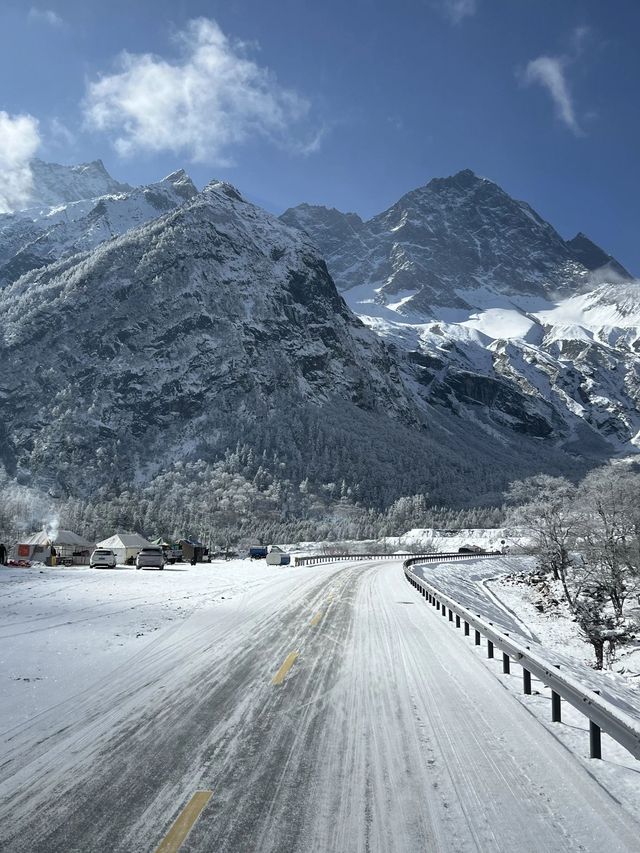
x: 65, y: 630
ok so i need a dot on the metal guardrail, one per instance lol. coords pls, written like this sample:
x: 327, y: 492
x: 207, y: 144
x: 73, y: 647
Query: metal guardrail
x: 602, y: 715
x: 334, y: 558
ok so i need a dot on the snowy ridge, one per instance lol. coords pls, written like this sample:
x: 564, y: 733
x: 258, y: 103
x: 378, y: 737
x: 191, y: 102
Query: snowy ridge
x: 497, y: 317
x: 54, y: 184
x: 34, y: 238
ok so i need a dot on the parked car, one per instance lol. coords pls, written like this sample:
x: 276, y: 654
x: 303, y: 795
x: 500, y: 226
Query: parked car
x: 102, y: 558
x: 150, y: 558
x: 258, y: 552
x: 173, y: 554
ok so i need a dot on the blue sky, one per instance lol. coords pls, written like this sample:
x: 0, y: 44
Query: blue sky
x: 345, y: 104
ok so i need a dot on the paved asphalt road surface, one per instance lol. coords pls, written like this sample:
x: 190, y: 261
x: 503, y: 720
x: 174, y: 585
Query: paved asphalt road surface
x: 331, y: 710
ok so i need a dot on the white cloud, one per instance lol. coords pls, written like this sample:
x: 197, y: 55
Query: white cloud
x: 60, y: 133
x: 45, y: 16
x: 579, y: 37
x: 457, y: 10
x: 19, y: 141
x: 208, y: 101
x: 549, y: 72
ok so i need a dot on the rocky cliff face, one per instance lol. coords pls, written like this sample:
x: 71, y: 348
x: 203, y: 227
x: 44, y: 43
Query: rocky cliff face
x: 493, y: 314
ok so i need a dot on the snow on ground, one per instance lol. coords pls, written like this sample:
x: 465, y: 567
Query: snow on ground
x: 554, y: 625
x: 447, y: 541
x: 481, y: 586
x: 386, y: 722
x: 500, y: 323
x: 476, y: 585
x: 423, y: 539
x: 62, y: 628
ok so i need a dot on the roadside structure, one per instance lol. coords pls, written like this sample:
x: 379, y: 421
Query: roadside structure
x: 60, y: 547
x: 125, y: 546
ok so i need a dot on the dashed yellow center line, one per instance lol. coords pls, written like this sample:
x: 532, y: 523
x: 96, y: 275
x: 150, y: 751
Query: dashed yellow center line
x: 183, y: 824
x: 317, y: 618
x: 280, y: 675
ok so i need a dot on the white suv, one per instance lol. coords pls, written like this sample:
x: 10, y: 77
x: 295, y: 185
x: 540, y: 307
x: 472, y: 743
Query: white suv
x: 103, y: 558
x: 150, y: 558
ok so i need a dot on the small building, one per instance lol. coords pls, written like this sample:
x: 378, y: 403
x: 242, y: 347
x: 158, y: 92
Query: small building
x: 70, y: 548
x: 277, y: 557
x: 194, y: 551
x: 125, y: 546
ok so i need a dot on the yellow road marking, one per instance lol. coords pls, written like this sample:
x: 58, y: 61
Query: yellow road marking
x: 174, y: 839
x: 289, y: 661
x: 317, y: 618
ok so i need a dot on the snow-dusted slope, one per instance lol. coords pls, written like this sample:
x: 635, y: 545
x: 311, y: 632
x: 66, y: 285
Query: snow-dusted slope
x: 497, y: 317
x: 34, y: 238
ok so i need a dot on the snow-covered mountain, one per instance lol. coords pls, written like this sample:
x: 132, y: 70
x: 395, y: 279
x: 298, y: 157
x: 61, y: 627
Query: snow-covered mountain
x: 494, y: 314
x: 54, y: 184
x: 180, y: 334
x: 36, y: 237
x: 217, y: 325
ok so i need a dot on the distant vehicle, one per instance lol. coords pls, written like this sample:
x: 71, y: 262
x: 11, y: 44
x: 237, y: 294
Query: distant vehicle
x: 471, y: 549
x: 102, y: 558
x: 150, y: 558
x: 258, y: 552
x: 173, y: 554
x: 277, y: 557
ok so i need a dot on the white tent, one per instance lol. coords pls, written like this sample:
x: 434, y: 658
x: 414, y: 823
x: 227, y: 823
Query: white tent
x: 70, y: 548
x: 125, y: 545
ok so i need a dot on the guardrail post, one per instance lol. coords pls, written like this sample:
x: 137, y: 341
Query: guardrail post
x: 437, y: 604
x: 450, y: 615
x: 489, y: 649
x: 477, y: 640
x: 466, y: 629
x: 443, y: 610
x: 556, y: 707
x: 526, y: 682
x: 506, y: 663
x: 457, y: 621
x: 595, y: 743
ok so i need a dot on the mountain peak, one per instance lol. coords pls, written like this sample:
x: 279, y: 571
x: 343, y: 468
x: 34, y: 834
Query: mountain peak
x: 181, y: 183
x: 224, y: 188
x: 465, y: 179
x: 590, y: 255
x: 176, y: 177
x: 55, y: 184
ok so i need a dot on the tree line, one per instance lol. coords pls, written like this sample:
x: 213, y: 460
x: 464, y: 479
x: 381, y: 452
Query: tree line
x: 239, y: 500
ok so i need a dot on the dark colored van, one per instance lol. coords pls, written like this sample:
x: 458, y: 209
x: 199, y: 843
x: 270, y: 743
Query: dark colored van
x: 258, y: 552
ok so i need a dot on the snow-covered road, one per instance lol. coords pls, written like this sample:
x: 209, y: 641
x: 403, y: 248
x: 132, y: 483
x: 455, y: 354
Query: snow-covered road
x: 386, y: 734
